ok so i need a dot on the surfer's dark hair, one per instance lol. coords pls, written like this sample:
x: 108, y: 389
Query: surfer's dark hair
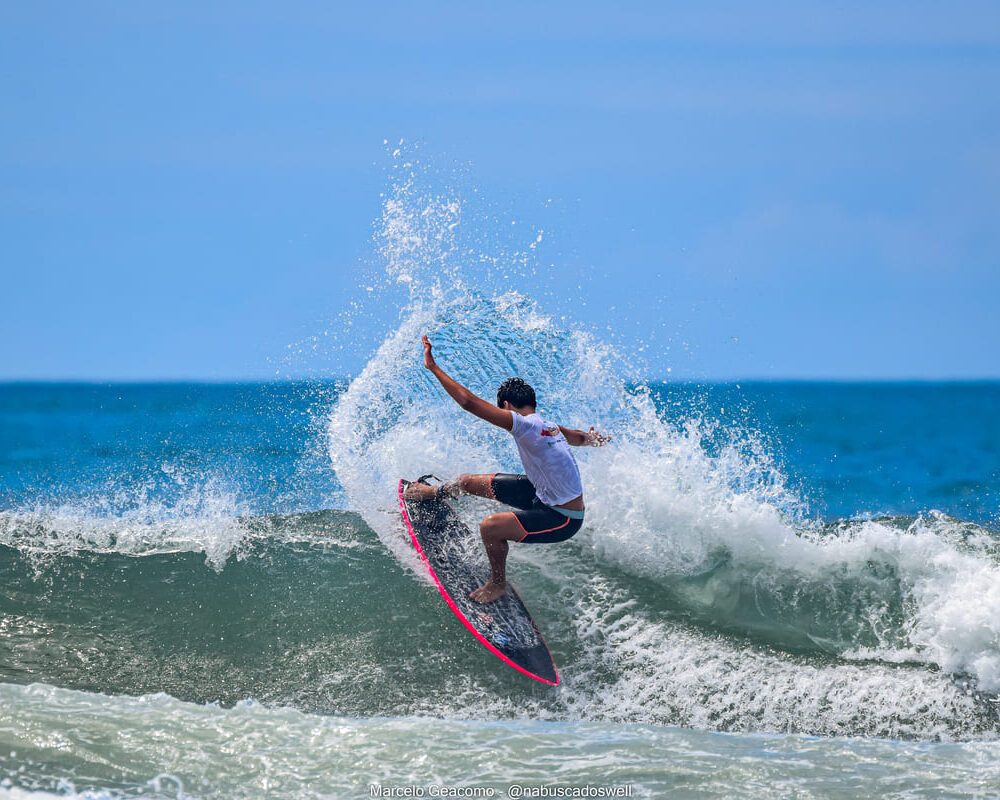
x: 516, y: 392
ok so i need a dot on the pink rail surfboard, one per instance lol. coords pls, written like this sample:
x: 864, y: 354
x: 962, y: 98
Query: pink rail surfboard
x: 455, y: 559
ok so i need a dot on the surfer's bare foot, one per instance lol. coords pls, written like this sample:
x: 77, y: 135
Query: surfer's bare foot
x: 489, y: 592
x: 420, y: 491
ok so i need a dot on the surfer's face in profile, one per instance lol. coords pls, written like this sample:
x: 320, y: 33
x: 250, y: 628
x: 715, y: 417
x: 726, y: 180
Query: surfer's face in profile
x: 514, y: 393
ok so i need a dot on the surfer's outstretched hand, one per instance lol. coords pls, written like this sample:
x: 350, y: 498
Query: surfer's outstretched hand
x: 596, y: 439
x: 428, y: 356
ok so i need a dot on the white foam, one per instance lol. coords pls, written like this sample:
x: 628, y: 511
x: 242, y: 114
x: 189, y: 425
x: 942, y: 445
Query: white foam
x: 253, y: 750
x: 204, y: 516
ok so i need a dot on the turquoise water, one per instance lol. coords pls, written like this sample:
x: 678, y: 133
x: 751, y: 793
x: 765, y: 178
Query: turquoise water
x: 782, y: 589
x: 220, y: 616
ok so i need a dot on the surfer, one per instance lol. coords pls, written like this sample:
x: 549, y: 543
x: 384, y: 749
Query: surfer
x: 549, y: 496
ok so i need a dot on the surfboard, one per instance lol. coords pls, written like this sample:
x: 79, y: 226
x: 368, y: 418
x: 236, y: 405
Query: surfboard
x: 454, y: 556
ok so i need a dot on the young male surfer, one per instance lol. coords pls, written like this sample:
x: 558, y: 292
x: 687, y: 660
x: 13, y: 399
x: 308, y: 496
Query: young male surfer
x: 549, y: 496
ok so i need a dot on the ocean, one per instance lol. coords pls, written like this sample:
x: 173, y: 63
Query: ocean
x: 780, y: 590
x: 199, y: 600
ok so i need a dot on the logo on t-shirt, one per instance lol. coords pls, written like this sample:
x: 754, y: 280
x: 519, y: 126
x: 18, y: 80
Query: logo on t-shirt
x: 552, y: 431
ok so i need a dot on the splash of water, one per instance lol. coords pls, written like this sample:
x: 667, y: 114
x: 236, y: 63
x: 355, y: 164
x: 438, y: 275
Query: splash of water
x: 199, y: 513
x: 718, y: 531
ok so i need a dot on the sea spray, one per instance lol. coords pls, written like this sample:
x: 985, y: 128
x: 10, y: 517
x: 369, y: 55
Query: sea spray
x: 197, y: 513
x: 716, y: 530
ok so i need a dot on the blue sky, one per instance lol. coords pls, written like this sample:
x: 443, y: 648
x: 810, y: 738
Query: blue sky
x: 777, y: 190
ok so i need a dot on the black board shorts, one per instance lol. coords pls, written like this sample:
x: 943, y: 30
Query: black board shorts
x: 540, y: 523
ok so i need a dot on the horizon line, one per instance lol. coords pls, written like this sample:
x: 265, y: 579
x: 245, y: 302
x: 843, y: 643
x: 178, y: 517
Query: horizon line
x: 248, y: 381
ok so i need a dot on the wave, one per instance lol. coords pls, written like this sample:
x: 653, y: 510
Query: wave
x: 315, y: 613
x: 171, y: 510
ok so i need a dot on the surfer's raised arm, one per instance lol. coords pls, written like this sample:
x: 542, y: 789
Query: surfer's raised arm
x: 465, y: 398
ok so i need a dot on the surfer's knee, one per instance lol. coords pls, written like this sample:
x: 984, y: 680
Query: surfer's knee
x: 487, y: 526
x: 498, y: 527
x: 492, y: 526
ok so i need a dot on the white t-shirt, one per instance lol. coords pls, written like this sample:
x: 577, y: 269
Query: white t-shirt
x: 547, y: 459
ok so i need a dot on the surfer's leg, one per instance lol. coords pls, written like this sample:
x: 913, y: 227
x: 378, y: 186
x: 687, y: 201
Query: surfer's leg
x: 512, y: 490
x: 496, y: 530
x: 479, y: 485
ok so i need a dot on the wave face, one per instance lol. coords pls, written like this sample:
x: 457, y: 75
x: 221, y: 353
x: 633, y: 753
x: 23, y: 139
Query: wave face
x: 794, y: 559
x: 316, y: 614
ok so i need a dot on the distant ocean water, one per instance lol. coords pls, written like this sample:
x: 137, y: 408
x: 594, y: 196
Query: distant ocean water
x: 781, y: 589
